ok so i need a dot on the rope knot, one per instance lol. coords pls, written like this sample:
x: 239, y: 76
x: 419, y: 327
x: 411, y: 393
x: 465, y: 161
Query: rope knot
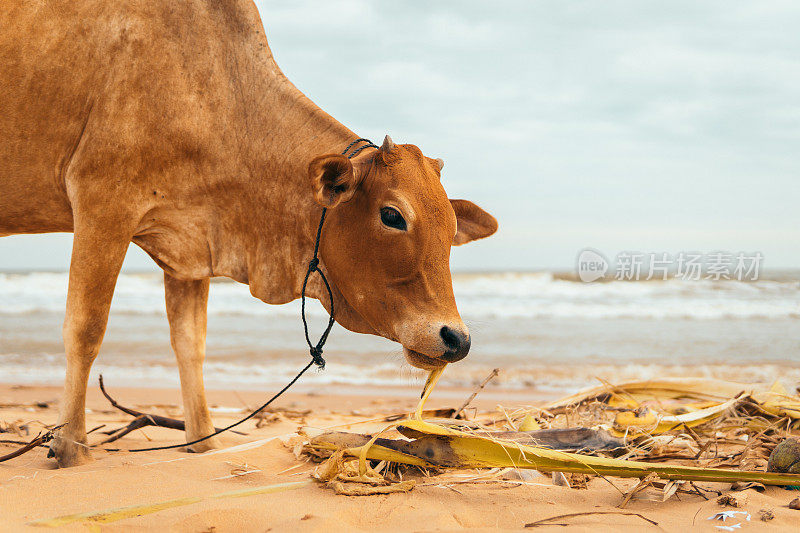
x: 316, y: 356
x: 313, y: 264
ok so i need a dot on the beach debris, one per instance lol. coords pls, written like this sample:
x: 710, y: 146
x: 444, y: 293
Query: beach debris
x: 428, y: 413
x: 27, y: 406
x: 734, y: 499
x: 432, y: 451
x: 554, y: 520
x: 142, y: 420
x: 644, y: 420
x: 346, y: 477
x: 39, y: 440
x: 361, y: 489
x: 723, y: 516
x: 670, y: 489
x: 271, y: 415
x: 468, y: 449
x: 337, y: 467
x: 121, y: 513
x: 644, y: 483
x: 693, y: 422
x: 400, y: 451
x: 560, y: 480
x: 696, y: 423
x: 446, y: 447
x: 96, y: 428
x: 766, y: 514
x: 667, y: 489
x: 738, y: 485
x: 639, y: 418
x: 361, y: 477
x: 515, y: 474
x: 493, y: 374
x: 711, y: 399
x: 785, y: 457
x: 17, y: 427
x: 427, y: 389
x: 238, y: 470
x: 795, y: 504
x: 529, y: 423
x: 578, y: 481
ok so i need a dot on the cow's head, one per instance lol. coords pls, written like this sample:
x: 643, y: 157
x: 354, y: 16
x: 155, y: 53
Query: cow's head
x: 386, y: 248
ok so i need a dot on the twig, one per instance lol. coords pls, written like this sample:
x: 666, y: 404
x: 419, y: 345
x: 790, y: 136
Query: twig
x: 101, y: 426
x: 39, y: 440
x: 490, y: 377
x: 698, y: 491
x: 549, y: 521
x: 604, y: 478
x: 643, y: 484
x: 138, y: 423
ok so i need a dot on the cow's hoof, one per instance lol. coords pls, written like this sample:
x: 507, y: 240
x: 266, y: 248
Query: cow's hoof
x: 68, y: 453
x: 204, y: 446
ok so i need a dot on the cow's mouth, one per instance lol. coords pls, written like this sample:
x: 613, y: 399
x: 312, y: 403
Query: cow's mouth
x: 422, y: 361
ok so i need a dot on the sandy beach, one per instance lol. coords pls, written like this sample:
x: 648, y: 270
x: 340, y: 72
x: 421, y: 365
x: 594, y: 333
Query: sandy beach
x: 199, y: 486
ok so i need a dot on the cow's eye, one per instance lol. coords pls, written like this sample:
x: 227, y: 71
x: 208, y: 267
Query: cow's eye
x: 392, y: 218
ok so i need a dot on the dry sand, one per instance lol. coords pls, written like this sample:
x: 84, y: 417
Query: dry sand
x: 32, y: 489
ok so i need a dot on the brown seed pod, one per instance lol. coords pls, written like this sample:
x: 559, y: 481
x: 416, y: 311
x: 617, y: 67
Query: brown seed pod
x: 785, y: 457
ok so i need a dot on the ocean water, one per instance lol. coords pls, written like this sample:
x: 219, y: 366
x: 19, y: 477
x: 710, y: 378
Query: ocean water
x: 544, y: 330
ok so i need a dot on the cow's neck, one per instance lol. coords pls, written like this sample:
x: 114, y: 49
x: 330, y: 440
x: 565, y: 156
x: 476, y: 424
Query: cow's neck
x: 287, y: 131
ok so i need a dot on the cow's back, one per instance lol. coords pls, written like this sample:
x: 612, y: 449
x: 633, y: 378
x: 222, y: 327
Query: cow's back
x: 108, y: 92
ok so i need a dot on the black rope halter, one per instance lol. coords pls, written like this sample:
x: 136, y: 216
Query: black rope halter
x: 314, y: 349
x: 313, y: 266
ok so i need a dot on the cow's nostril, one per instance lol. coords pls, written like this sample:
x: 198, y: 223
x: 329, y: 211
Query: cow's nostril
x: 451, y: 338
x: 457, y: 344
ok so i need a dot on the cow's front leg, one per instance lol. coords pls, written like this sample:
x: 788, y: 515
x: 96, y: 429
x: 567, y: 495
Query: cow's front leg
x: 98, y: 251
x: 187, y: 304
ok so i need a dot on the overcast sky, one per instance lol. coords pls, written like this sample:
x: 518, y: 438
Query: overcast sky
x: 650, y: 126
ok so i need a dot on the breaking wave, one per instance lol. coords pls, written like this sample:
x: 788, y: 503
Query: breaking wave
x: 479, y: 296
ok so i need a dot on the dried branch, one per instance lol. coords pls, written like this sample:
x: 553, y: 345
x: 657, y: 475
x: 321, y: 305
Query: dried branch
x: 40, y: 439
x: 550, y: 521
x: 142, y: 419
x: 643, y: 484
x: 490, y: 377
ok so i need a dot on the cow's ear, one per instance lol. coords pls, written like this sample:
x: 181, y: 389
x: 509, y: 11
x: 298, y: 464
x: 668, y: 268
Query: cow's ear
x: 473, y: 222
x: 332, y: 179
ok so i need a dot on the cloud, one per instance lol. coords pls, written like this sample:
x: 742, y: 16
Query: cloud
x: 573, y: 118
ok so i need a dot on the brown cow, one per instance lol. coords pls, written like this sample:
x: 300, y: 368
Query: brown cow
x: 168, y: 124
